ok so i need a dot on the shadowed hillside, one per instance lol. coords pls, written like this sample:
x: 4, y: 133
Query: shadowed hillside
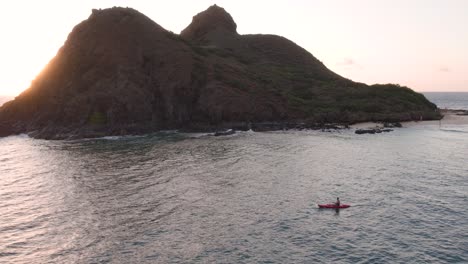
x: 121, y: 73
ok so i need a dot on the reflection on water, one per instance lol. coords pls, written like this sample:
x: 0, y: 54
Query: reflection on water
x: 245, y: 198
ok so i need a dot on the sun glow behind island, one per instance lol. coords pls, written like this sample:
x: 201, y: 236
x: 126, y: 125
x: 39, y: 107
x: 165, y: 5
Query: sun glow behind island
x: 23, y: 68
x: 421, y: 44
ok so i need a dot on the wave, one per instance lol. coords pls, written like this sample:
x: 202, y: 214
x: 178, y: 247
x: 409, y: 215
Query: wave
x: 23, y: 135
x: 197, y: 135
x: 110, y: 138
x: 454, y: 130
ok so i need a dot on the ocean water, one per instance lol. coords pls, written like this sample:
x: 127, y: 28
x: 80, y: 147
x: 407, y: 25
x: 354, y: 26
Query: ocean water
x: 245, y: 198
x: 455, y: 100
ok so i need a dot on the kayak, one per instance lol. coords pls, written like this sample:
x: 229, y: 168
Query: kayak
x: 333, y: 206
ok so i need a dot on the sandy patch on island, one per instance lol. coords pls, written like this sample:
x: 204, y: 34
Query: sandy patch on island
x: 451, y: 117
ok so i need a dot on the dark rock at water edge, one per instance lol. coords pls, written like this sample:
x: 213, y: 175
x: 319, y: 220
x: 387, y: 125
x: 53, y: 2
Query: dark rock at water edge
x: 461, y: 112
x: 394, y: 124
x: 6, y: 130
x: 372, y: 131
x: 121, y: 73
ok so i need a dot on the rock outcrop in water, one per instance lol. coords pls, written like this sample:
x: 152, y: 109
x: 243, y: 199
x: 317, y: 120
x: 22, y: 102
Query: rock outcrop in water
x: 121, y: 73
x: 376, y: 130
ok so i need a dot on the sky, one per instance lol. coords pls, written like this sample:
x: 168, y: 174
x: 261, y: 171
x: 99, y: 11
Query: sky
x: 422, y: 44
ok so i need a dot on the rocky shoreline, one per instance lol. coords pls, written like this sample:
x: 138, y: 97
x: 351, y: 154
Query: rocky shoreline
x: 54, y: 132
x: 449, y: 116
x: 66, y: 133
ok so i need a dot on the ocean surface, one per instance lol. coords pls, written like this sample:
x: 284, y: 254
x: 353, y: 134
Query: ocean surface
x: 246, y: 198
x: 454, y: 100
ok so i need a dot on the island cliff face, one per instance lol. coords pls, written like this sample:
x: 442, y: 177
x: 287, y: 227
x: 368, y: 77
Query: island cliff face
x: 121, y: 73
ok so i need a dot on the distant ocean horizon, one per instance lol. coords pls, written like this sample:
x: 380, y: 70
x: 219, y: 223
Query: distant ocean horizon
x: 449, y: 100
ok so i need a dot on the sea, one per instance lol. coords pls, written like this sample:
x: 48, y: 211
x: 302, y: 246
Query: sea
x: 250, y: 197
x: 453, y: 100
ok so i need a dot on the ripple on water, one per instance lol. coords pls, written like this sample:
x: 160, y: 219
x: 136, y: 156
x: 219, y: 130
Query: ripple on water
x: 248, y: 198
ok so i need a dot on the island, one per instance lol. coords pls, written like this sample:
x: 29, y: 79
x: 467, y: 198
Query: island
x: 120, y: 73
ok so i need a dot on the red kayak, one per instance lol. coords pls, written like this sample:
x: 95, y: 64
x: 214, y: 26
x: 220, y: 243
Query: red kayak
x: 333, y: 206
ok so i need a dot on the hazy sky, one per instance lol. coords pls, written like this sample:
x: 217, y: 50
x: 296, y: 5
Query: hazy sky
x: 419, y: 43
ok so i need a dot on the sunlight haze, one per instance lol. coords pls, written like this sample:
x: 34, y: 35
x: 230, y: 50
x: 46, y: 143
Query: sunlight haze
x: 420, y: 44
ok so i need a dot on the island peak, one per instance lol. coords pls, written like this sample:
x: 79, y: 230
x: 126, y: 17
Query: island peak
x: 214, y: 18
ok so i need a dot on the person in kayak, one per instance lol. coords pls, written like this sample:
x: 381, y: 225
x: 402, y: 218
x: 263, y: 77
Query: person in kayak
x: 337, y: 201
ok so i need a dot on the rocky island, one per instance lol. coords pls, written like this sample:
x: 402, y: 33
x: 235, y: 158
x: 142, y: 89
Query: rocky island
x: 121, y: 73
